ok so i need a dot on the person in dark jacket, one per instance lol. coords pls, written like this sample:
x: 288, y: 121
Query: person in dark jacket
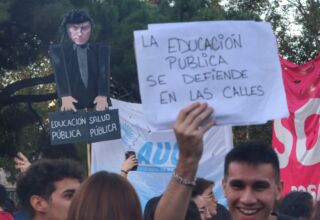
x: 192, y: 212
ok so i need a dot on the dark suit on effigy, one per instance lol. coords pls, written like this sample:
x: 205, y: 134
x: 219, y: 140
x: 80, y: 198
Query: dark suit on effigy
x: 68, y: 77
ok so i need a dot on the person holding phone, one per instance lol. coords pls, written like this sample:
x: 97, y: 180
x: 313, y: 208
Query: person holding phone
x: 130, y: 163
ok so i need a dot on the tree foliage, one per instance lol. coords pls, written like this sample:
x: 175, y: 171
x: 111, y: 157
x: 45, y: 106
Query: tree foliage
x: 306, y: 46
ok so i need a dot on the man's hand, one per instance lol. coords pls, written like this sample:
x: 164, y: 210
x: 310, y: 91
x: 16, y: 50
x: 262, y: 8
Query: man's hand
x: 68, y: 103
x: 190, y: 129
x: 21, y: 162
x: 101, y: 103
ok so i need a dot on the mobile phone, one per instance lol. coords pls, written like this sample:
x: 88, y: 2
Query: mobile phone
x: 128, y: 154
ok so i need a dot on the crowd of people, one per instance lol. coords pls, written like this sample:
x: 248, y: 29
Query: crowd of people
x: 58, y: 189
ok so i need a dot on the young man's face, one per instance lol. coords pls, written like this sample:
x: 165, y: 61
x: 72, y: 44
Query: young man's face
x: 251, y: 191
x: 60, y: 199
x: 79, y: 33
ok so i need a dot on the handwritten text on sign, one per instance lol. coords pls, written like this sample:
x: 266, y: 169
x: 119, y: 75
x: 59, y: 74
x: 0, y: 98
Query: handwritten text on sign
x: 218, y: 62
x: 104, y: 125
x: 81, y: 126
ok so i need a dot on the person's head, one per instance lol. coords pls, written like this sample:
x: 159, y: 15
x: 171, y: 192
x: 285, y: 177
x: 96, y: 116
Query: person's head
x: 202, y: 207
x: 106, y: 196
x: 297, y: 204
x: 251, y: 181
x: 316, y: 213
x: 6, y: 204
x: 77, y: 25
x: 204, y: 188
x: 45, y: 190
x: 9, y: 205
x: 3, y: 196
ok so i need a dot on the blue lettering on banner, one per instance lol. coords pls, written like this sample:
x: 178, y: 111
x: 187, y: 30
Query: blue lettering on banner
x: 144, y: 154
x: 154, y: 169
x: 165, y: 155
x: 158, y: 157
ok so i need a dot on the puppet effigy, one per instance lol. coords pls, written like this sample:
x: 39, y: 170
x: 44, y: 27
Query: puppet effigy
x: 81, y: 68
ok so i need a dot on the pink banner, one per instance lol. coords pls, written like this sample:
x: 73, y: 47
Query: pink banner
x: 297, y: 138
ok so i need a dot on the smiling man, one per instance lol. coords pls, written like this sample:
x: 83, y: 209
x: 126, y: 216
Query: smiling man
x: 252, y: 182
x: 46, y: 189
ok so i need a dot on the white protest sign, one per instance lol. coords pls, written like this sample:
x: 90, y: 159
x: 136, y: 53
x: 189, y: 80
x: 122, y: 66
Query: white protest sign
x: 232, y: 65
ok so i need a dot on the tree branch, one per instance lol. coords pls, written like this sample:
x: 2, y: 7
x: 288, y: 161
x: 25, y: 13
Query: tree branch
x: 26, y: 98
x: 12, y: 88
x: 6, y: 97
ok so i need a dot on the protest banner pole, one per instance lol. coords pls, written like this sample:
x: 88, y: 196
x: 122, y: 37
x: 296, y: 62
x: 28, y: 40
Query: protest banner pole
x: 89, y: 158
x: 88, y: 154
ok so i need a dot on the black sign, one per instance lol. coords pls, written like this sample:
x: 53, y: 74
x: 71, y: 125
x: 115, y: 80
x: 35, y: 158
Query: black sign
x: 103, y: 125
x: 81, y: 126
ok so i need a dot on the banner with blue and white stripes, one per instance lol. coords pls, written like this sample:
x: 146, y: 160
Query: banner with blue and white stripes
x: 157, y: 153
